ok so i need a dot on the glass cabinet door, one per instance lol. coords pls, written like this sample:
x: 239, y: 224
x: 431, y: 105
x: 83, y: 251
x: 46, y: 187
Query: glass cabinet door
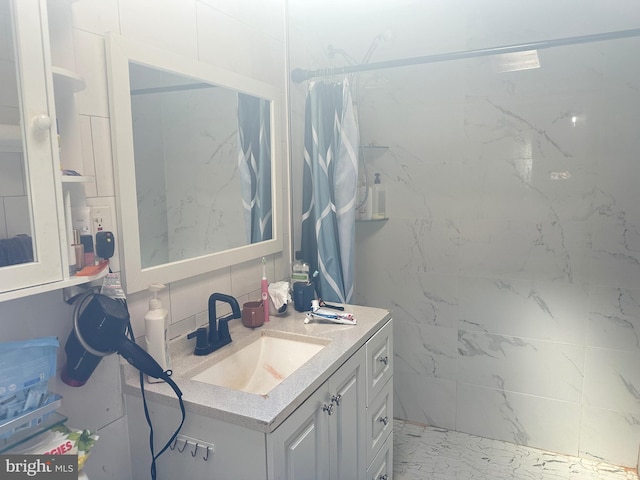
x: 30, y: 251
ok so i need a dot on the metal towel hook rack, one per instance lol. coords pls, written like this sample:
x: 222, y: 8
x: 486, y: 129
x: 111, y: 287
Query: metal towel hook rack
x: 194, y: 445
x: 183, y: 447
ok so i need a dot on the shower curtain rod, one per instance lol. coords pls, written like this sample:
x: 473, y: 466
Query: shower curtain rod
x: 299, y: 75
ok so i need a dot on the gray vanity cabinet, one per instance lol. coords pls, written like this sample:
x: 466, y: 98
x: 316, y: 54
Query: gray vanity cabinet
x: 342, y: 431
x: 325, y: 437
x: 345, y: 437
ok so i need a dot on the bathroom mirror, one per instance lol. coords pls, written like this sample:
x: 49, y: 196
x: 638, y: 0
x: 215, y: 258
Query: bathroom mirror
x: 196, y: 165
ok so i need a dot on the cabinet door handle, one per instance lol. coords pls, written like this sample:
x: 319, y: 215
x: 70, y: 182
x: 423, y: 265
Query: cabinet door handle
x: 42, y: 121
x: 336, y: 399
x: 384, y: 360
x: 383, y: 420
x: 328, y: 408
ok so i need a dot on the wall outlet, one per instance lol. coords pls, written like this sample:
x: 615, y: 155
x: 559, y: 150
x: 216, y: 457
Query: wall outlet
x: 102, y: 214
x: 100, y: 220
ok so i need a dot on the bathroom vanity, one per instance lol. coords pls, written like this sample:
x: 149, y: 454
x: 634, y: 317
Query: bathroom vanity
x: 331, y: 418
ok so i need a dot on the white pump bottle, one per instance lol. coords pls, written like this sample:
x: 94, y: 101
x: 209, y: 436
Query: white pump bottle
x: 156, y: 321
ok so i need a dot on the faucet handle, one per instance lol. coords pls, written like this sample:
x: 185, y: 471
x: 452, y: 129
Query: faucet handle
x: 202, y: 341
x: 223, y: 329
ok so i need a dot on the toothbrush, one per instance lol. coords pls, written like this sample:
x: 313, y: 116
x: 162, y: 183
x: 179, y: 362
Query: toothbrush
x: 331, y: 314
x: 264, y: 287
x: 329, y: 318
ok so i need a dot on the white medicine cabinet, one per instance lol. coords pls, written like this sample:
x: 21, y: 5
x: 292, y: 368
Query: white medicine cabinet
x: 33, y: 229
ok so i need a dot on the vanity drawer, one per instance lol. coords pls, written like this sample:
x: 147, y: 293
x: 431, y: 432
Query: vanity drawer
x: 382, y: 466
x: 379, y: 360
x: 379, y: 420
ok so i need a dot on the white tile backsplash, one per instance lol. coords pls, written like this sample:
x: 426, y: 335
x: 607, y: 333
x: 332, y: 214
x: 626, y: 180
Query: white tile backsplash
x: 224, y: 40
x: 96, y: 16
x: 91, y: 66
x: 101, y: 137
x: 191, y: 296
x: 168, y: 25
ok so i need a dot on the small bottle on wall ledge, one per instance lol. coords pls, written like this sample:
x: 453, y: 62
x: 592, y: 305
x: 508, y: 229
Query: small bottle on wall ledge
x: 379, y: 199
x: 365, y: 203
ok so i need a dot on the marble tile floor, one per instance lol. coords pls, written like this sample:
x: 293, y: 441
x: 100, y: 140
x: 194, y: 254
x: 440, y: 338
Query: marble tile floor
x: 426, y: 453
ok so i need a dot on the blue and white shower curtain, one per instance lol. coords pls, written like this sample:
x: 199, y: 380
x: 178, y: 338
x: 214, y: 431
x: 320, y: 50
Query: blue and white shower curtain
x: 329, y: 189
x: 254, y: 164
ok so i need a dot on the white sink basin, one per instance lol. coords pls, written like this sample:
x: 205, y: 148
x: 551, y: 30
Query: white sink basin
x: 262, y: 364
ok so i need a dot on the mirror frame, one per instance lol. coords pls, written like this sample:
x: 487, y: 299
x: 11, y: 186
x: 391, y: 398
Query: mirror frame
x: 119, y: 52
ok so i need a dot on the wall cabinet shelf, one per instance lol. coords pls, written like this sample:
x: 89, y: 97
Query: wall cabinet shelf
x: 371, y: 152
x: 77, y: 179
x: 64, y: 79
x: 373, y: 220
x: 49, y: 287
x: 379, y: 148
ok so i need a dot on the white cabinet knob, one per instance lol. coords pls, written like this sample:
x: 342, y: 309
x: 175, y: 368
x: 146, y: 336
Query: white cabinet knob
x: 42, y: 121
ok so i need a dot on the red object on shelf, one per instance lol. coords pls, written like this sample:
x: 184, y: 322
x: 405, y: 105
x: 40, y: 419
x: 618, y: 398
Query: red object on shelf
x: 91, y: 270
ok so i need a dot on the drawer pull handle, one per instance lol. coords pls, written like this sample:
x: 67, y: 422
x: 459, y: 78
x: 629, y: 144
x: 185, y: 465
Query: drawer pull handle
x: 328, y: 408
x: 383, y: 477
x: 336, y: 399
x: 384, y: 360
x: 383, y: 420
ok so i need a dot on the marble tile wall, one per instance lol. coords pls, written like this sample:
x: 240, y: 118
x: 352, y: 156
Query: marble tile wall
x: 512, y: 250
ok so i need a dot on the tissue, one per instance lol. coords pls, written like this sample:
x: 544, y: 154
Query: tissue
x: 280, y: 297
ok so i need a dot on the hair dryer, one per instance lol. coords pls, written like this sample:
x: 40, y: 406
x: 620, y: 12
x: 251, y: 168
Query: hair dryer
x: 99, y: 329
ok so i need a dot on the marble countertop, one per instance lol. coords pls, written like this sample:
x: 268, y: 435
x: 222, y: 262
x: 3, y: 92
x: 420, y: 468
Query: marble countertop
x: 260, y: 412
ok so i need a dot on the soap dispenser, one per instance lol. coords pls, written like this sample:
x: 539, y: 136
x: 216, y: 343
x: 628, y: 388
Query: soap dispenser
x: 156, y: 321
x: 379, y: 199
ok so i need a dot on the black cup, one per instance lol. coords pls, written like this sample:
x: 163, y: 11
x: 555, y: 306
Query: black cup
x: 302, y: 296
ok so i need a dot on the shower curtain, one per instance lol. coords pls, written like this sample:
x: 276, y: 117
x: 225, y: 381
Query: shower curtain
x: 254, y: 163
x: 329, y: 188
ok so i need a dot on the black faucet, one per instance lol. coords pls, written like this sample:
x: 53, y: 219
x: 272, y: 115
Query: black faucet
x: 218, y: 335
